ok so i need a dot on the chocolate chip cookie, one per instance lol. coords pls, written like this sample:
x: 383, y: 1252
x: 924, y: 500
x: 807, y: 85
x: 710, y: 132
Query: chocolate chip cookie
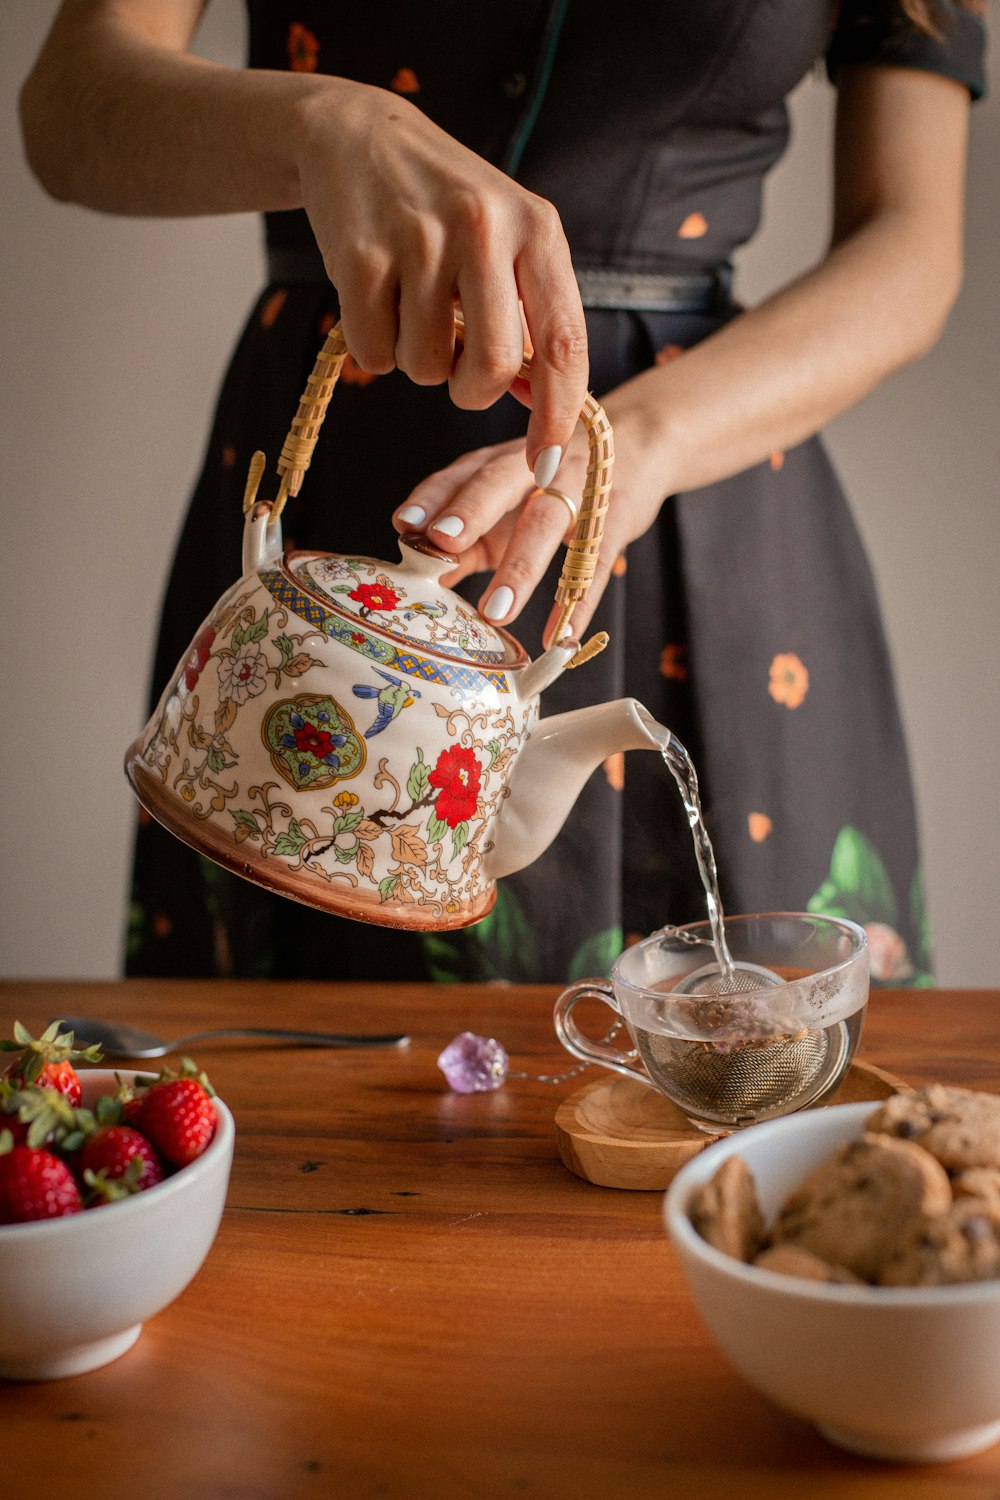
x: 726, y: 1213
x: 961, y: 1128
x: 792, y: 1260
x: 854, y: 1209
x: 962, y: 1244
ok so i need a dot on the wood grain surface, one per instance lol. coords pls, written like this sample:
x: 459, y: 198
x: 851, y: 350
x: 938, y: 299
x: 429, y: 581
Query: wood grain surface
x: 411, y: 1296
x: 618, y: 1132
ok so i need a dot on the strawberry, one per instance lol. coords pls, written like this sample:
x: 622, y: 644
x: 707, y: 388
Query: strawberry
x: 178, y: 1115
x: 118, y: 1154
x: 48, y: 1060
x: 42, y: 1116
x: 34, y: 1184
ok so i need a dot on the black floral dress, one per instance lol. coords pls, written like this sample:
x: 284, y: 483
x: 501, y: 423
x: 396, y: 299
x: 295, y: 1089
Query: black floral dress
x: 746, y: 619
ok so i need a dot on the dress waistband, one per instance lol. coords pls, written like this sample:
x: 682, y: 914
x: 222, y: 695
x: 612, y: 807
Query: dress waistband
x: 600, y: 286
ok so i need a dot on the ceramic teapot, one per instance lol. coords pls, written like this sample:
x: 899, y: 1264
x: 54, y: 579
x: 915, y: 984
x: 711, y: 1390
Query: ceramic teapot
x: 354, y: 735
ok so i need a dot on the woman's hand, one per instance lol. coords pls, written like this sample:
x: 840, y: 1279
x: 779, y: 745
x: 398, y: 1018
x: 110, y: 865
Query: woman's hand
x: 482, y: 509
x: 412, y: 223
x: 119, y: 116
x: 769, y: 378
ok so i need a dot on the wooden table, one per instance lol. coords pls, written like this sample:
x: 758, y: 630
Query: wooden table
x: 411, y: 1297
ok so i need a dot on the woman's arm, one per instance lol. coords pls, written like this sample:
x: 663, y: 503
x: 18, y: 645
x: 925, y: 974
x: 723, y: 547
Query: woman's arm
x: 118, y: 116
x: 774, y: 375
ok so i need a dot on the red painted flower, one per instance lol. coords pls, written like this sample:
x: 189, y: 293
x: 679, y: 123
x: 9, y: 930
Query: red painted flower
x: 374, y: 596
x: 200, y: 652
x: 456, y: 776
x: 309, y: 739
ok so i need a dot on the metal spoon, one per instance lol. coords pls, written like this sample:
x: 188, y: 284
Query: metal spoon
x: 128, y: 1041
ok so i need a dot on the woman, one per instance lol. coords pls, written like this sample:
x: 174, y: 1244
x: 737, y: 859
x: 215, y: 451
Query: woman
x: 593, y: 178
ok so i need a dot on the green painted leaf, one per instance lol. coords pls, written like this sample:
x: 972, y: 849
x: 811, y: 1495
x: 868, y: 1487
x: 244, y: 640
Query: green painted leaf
x: 417, y: 784
x: 494, y: 747
x: 436, y: 828
x: 291, y: 841
x: 237, y: 638
x: 347, y: 822
x: 346, y: 856
x: 387, y: 887
x: 285, y: 646
x: 248, y: 819
x: 216, y: 760
x: 459, y: 839
x: 258, y: 630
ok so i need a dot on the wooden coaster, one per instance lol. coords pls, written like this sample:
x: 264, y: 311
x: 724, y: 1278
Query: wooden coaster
x: 623, y: 1134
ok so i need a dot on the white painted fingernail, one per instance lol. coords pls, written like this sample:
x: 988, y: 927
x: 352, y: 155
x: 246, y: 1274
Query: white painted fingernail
x: 498, y: 605
x: 413, y: 515
x: 547, y: 466
x: 449, y: 525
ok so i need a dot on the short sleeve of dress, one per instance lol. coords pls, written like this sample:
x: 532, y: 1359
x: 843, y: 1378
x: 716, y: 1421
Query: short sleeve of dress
x: 878, y: 31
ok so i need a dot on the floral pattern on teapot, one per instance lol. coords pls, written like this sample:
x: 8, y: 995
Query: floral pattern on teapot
x: 359, y: 586
x: 415, y: 831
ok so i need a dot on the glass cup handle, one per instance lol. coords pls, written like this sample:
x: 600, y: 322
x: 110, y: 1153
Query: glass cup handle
x: 584, y: 1047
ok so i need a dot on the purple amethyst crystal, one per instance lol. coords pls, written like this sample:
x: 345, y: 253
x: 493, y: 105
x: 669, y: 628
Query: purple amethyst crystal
x: 473, y: 1064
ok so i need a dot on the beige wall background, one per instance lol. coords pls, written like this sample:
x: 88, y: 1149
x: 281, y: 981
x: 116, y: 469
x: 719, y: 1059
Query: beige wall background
x: 116, y: 333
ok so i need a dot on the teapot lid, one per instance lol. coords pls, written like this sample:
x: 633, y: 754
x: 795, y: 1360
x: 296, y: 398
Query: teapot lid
x: 406, y: 602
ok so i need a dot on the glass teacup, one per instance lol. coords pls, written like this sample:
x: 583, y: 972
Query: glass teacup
x: 728, y: 1060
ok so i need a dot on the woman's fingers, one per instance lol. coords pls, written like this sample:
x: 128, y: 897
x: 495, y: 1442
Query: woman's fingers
x: 492, y: 349
x: 557, y: 328
x: 369, y: 312
x: 541, y: 527
x: 410, y: 222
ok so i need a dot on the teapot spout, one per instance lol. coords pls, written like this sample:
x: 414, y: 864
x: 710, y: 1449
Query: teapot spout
x: 553, y: 766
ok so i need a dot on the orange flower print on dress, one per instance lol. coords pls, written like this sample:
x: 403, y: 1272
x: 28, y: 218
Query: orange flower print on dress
x: 669, y: 352
x: 406, y: 82
x: 620, y: 566
x: 777, y: 460
x: 673, y: 665
x: 693, y: 228
x: 759, y: 826
x: 351, y: 373
x: 272, y: 307
x: 614, y: 770
x: 789, y: 680
x: 303, y: 49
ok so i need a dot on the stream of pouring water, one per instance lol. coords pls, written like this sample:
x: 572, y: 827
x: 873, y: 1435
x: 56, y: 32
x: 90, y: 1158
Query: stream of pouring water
x: 681, y: 768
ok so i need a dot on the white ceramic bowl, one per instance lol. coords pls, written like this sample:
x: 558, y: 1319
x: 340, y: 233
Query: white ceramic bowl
x: 905, y: 1373
x: 75, y: 1291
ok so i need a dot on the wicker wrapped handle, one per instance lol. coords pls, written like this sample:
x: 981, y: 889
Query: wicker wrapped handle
x: 580, y: 561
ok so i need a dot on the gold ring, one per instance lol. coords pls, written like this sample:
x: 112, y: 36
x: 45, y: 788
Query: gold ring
x: 559, y: 495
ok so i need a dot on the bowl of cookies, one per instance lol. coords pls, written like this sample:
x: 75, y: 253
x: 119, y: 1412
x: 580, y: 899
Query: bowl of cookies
x: 847, y: 1262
